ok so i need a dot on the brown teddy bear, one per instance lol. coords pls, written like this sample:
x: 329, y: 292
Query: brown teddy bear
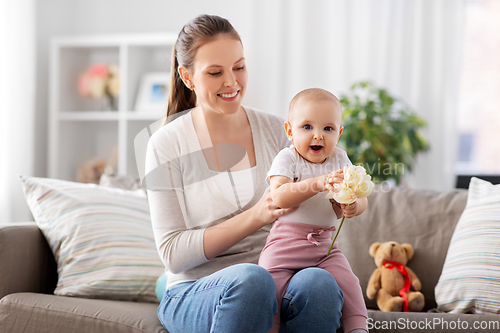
x: 395, y: 285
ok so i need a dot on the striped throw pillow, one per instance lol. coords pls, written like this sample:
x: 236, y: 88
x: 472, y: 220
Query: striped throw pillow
x: 101, y: 238
x: 470, y: 280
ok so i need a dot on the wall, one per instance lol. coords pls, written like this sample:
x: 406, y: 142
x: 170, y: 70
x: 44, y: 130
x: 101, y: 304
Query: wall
x: 411, y: 47
x: 57, y: 18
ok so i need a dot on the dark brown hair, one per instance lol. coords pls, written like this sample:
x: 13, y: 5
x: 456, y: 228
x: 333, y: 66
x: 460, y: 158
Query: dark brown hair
x: 192, y: 36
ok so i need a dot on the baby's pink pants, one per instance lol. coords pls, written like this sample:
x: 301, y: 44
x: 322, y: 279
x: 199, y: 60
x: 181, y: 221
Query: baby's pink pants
x: 293, y: 246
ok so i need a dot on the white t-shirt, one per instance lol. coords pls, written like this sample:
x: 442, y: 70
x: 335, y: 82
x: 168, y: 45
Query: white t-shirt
x: 316, y: 210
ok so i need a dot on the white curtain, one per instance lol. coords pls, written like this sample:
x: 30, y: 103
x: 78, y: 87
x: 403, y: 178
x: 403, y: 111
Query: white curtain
x: 411, y: 47
x: 17, y: 90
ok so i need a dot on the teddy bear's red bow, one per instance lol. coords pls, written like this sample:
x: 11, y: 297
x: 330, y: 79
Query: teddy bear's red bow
x: 406, y: 287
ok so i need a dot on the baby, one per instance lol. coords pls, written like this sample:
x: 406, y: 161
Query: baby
x: 300, y: 175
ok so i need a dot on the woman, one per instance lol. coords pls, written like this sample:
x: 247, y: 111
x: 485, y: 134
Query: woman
x: 212, y: 212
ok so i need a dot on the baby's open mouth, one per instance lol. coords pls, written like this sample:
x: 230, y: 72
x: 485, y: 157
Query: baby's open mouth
x: 316, y: 147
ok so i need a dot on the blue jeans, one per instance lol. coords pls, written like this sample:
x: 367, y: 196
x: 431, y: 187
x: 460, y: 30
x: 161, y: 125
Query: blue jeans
x: 242, y: 298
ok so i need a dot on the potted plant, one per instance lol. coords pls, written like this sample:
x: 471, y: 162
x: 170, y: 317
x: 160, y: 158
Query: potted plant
x: 382, y: 132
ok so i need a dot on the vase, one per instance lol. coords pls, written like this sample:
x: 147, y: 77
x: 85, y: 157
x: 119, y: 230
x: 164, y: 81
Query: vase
x: 108, y: 103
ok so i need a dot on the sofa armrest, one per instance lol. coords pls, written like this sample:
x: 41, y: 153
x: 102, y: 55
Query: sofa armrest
x: 26, y: 261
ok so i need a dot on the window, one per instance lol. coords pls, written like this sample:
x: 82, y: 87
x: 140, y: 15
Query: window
x: 479, y: 97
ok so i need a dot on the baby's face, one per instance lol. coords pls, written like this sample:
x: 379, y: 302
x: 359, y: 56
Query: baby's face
x: 315, y: 127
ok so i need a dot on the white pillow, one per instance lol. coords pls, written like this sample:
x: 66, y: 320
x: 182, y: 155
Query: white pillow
x: 101, y: 238
x: 470, y: 280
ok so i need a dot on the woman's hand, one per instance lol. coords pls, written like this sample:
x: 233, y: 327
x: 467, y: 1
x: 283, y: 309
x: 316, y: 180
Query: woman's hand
x: 265, y: 211
x: 220, y: 237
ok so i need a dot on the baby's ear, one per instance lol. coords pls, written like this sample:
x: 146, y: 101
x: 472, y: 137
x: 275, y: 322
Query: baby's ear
x: 288, y: 130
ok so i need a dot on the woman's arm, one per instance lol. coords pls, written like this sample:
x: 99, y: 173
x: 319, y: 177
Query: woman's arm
x: 179, y: 248
x: 221, y: 237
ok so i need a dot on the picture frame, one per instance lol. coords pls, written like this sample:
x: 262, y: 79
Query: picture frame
x: 153, y: 92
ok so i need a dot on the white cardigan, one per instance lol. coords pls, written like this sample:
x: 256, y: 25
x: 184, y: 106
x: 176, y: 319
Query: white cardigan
x: 184, y: 199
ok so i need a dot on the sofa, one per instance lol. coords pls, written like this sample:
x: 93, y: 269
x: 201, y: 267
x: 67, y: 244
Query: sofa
x: 425, y: 219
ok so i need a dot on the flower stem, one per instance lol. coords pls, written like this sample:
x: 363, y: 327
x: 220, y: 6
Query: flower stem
x: 335, y: 238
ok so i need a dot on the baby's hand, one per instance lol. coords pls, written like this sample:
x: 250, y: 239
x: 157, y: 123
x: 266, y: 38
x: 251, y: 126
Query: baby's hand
x: 337, y: 208
x: 350, y: 210
x: 335, y: 177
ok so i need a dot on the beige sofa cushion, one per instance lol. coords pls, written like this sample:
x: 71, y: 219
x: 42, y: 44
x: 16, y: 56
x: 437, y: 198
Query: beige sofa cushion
x: 425, y: 219
x: 26, y: 261
x: 60, y: 314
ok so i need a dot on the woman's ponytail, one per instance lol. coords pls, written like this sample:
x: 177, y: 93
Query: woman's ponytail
x: 180, y: 97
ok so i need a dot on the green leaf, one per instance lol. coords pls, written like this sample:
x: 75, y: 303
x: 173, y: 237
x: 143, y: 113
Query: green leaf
x: 381, y: 131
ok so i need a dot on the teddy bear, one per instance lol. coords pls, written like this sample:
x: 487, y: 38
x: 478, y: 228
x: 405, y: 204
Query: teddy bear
x: 395, y: 285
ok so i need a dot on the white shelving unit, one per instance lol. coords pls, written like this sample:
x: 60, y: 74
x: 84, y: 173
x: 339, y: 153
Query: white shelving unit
x: 78, y: 130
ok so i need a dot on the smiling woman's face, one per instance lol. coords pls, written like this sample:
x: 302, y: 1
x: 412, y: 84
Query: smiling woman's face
x: 219, y: 75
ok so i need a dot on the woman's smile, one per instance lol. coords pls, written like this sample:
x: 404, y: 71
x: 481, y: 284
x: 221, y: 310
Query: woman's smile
x: 229, y: 96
